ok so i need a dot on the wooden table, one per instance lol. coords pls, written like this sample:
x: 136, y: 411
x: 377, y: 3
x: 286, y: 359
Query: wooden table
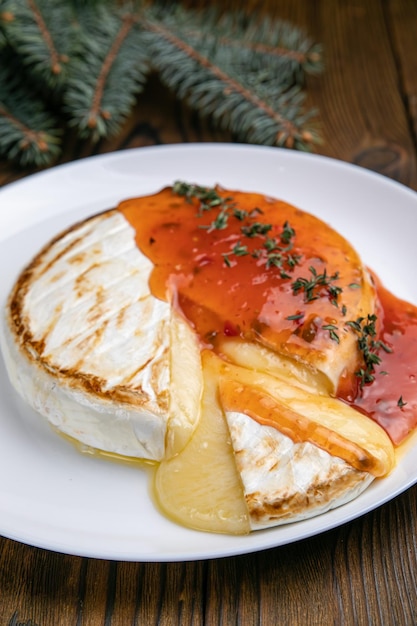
x: 364, y: 572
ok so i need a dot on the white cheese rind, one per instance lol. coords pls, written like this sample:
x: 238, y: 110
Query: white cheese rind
x: 105, y: 425
x: 90, y: 348
x: 89, y: 303
x: 285, y: 481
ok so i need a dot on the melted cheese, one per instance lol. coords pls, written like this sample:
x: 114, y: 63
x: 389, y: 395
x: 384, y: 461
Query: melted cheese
x: 304, y: 416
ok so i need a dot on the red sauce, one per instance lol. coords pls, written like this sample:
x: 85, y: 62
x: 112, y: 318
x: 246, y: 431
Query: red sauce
x: 224, y: 293
x: 391, y: 399
x: 241, y: 298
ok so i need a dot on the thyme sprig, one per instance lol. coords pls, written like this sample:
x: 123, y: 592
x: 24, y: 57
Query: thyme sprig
x: 278, y: 252
x: 208, y: 197
x: 365, y: 327
x: 312, y: 287
x: 240, y: 250
x: 295, y: 317
x: 256, y: 228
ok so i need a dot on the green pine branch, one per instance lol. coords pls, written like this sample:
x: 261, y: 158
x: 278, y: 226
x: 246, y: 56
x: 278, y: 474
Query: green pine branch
x: 28, y: 131
x: 254, y: 43
x: 108, y: 73
x: 41, y: 33
x: 262, y: 104
x: 83, y: 64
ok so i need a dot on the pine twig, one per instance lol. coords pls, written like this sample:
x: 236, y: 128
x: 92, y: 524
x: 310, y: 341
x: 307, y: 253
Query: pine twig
x: 28, y: 132
x: 41, y: 34
x: 260, y: 42
x: 108, y: 74
x: 252, y: 105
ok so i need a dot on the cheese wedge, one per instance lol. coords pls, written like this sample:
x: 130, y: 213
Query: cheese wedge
x: 88, y: 346
x: 324, y: 421
x: 298, y: 454
x: 283, y: 452
x: 285, y: 481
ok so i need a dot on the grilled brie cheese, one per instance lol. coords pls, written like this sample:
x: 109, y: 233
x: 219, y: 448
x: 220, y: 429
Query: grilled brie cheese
x: 105, y: 336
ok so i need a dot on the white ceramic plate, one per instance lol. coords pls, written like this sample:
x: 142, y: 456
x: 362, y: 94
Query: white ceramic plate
x: 52, y: 496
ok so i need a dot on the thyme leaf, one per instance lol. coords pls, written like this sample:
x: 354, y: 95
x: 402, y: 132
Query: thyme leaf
x: 401, y: 402
x: 240, y: 250
x: 332, y: 332
x: 287, y: 233
x: 295, y: 317
x: 226, y: 260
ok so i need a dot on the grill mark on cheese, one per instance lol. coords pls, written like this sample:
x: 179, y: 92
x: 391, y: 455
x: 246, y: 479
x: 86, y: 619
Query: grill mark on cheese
x: 97, y: 386
x: 128, y: 379
x: 62, y: 253
x: 21, y: 286
x: 94, y: 314
x: 90, y: 342
x: 268, y: 411
x: 289, y: 504
x: 77, y: 259
x: 121, y: 316
x: 35, y: 347
x: 96, y: 311
x: 56, y: 277
x: 82, y: 282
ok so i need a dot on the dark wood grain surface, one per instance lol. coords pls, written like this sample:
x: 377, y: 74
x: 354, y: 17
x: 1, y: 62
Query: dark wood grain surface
x: 364, y: 572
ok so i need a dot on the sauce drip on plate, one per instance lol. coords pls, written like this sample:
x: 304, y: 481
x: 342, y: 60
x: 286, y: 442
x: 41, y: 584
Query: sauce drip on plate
x: 391, y: 399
